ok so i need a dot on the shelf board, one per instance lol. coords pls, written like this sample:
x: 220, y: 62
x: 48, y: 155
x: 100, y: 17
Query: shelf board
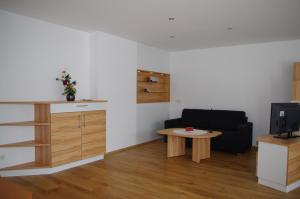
x: 25, y: 123
x: 154, y: 101
x: 150, y: 82
x: 155, y: 92
x: 152, y: 72
x: 30, y: 143
x: 28, y: 165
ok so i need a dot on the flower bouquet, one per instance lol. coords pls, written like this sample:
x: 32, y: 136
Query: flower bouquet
x: 69, y: 86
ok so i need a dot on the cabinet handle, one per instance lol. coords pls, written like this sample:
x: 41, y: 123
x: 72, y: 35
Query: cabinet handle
x: 84, y: 120
x: 82, y: 105
x: 79, y: 121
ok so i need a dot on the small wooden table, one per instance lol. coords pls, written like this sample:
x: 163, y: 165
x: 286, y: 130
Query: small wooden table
x: 201, y: 144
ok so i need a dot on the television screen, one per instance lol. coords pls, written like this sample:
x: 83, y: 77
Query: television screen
x: 285, y: 117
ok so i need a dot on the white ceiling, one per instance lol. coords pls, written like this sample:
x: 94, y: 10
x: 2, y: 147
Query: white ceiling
x: 197, y: 24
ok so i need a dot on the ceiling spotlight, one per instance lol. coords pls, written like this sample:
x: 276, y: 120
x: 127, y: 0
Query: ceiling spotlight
x: 172, y: 36
x: 171, y: 18
x: 229, y: 28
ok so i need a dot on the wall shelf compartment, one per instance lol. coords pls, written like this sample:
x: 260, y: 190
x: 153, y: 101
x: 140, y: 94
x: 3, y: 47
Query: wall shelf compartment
x: 25, y: 123
x: 30, y: 143
x: 152, y: 92
x: 29, y: 165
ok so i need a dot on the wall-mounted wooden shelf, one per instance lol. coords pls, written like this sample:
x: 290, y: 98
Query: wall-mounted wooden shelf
x: 25, y: 123
x: 157, y: 91
x: 30, y: 143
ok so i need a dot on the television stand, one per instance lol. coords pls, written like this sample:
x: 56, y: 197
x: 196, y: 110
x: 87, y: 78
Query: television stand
x: 274, y: 166
x: 288, y: 135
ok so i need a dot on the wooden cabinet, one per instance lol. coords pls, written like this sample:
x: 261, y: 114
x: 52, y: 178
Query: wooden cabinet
x: 296, y: 82
x: 64, y: 132
x: 77, y: 135
x: 65, y: 138
x: 93, y: 133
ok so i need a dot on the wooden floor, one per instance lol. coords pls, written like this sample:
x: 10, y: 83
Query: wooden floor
x: 145, y: 172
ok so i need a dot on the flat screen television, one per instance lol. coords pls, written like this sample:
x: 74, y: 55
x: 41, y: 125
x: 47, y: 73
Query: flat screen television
x: 285, y: 119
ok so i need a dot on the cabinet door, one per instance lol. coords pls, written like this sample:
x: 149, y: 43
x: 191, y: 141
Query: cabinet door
x: 93, y: 133
x: 272, y: 163
x: 65, y: 137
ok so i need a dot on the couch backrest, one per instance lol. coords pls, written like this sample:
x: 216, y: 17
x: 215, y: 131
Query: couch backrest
x: 213, y: 119
x: 198, y: 118
x: 228, y: 120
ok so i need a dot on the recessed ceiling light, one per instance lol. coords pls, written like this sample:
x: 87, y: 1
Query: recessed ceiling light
x: 171, y: 18
x: 229, y: 28
x: 172, y: 36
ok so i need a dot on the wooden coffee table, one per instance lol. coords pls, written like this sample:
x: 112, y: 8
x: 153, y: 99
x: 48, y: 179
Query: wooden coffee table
x: 201, y: 144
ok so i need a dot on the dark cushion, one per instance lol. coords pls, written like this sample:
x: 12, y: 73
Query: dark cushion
x: 198, y: 118
x: 228, y: 120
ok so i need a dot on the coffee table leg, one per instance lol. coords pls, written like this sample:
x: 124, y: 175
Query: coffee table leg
x: 176, y: 146
x: 201, y: 149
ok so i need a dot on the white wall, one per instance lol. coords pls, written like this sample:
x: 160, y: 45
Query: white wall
x: 32, y: 55
x: 151, y: 116
x: 247, y: 78
x: 114, y: 61
x: 154, y: 59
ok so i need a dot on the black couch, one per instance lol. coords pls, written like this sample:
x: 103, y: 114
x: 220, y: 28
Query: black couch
x: 237, y: 131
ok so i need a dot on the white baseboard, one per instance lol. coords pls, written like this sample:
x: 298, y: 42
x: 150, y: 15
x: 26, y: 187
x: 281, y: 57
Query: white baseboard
x: 293, y: 186
x: 279, y: 187
x: 51, y: 170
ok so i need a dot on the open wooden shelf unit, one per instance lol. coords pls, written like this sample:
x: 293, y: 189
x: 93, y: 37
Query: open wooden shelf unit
x: 64, y: 133
x: 42, y: 131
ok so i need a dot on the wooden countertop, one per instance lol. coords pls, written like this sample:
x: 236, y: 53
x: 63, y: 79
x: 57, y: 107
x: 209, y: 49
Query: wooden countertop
x: 284, y: 142
x: 51, y: 102
x: 171, y: 132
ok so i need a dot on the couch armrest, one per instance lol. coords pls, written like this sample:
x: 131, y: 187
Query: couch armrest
x: 173, y: 123
x: 245, y: 132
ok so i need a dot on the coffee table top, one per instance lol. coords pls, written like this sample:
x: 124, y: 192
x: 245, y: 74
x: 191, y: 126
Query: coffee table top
x: 171, y: 132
